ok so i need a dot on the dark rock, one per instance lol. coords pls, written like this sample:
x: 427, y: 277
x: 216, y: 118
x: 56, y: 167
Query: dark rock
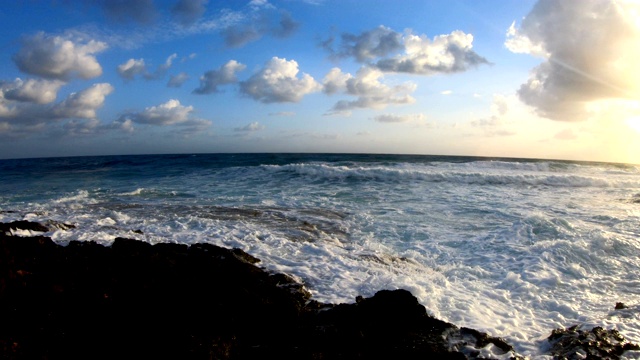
x: 22, y: 225
x: 597, y: 343
x: 620, y: 306
x: 137, y: 300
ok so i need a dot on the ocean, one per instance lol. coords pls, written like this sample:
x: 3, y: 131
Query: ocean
x: 512, y: 247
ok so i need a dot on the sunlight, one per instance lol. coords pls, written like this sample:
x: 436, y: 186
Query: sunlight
x: 634, y: 123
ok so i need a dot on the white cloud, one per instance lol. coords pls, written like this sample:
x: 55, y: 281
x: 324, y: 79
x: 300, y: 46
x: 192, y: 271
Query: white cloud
x: 278, y: 81
x: 131, y: 68
x: 226, y: 74
x: 254, y: 126
x: 391, y: 51
x: 169, y: 113
x: 36, y: 91
x: 26, y: 118
x: 177, y: 80
x: 566, y: 134
x: 83, y: 104
x: 591, y: 54
x: 449, y: 53
x: 335, y: 81
x: 59, y: 58
x: 370, y: 92
x: 446, y: 92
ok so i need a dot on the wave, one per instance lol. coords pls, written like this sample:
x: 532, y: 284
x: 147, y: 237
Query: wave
x: 468, y: 175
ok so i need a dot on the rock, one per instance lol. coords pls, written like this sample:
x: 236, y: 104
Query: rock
x: 22, y: 225
x: 597, y: 343
x: 199, y: 302
x: 620, y: 306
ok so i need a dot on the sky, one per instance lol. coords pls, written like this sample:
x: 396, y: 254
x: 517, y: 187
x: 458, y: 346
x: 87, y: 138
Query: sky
x: 554, y: 79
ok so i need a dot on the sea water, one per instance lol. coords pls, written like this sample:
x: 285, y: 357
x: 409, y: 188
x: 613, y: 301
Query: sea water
x: 512, y: 247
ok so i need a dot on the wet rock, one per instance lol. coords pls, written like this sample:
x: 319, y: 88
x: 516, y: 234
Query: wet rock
x: 22, y: 225
x: 597, y: 343
x: 620, y: 306
x: 138, y: 300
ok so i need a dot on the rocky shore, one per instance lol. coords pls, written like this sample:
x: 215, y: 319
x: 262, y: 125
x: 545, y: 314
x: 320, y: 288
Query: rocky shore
x: 137, y: 300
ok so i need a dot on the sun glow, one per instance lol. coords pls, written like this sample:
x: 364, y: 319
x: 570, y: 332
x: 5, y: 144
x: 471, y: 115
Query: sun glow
x: 634, y: 123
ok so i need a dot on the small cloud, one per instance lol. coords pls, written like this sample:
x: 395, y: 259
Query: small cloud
x: 477, y: 96
x: 283, y: 113
x: 169, y: 113
x: 187, y: 12
x: 252, y: 127
x: 278, y: 81
x: 226, y: 74
x: 131, y: 68
x: 391, y: 118
x: 140, y: 11
x: 177, y: 80
x: 370, y: 91
x: 446, y: 92
x: 566, y: 134
x: 83, y: 104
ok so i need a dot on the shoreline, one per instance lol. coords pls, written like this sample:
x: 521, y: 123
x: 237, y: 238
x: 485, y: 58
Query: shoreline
x: 85, y: 300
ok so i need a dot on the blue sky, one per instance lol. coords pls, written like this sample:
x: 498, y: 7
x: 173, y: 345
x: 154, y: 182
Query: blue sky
x: 541, y: 79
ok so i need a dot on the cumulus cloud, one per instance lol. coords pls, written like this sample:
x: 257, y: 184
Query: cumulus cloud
x: 226, y: 74
x: 278, y: 81
x: 186, y: 12
x: 590, y: 51
x: 370, y: 91
x: 171, y: 113
x: 141, y: 11
x: 499, y: 108
x: 134, y: 67
x: 58, y: 57
x: 254, y: 126
x: 391, y: 51
x: 24, y: 118
x: 177, y: 80
x: 85, y: 103
x: 34, y: 91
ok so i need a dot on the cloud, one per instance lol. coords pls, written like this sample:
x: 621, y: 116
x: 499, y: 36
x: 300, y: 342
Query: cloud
x: 59, y: 58
x: 391, y: 118
x: 372, y: 44
x: 77, y: 127
x: 34, y: 91
x: 25, y: 118
x: 252, y: 127
x: 83, y: 104
x: 187, y: 12
x: 450, y: 53
x: 140, y: 11
x: 566, y: 134
x: 499, y: 108
x: 370, y: 92
x: 278, y: 81
x: 446, y: 92
x: 177, y: 80
x: 171, y: 113
x: 264, y: 21
x: 391, y: 51
x: 283, y: 113
x: 130, y: 69
x: 226, y: 74
x: 590, y: 51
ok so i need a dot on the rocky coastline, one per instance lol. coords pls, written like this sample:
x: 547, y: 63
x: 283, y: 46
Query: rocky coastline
x: 137, y: 300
